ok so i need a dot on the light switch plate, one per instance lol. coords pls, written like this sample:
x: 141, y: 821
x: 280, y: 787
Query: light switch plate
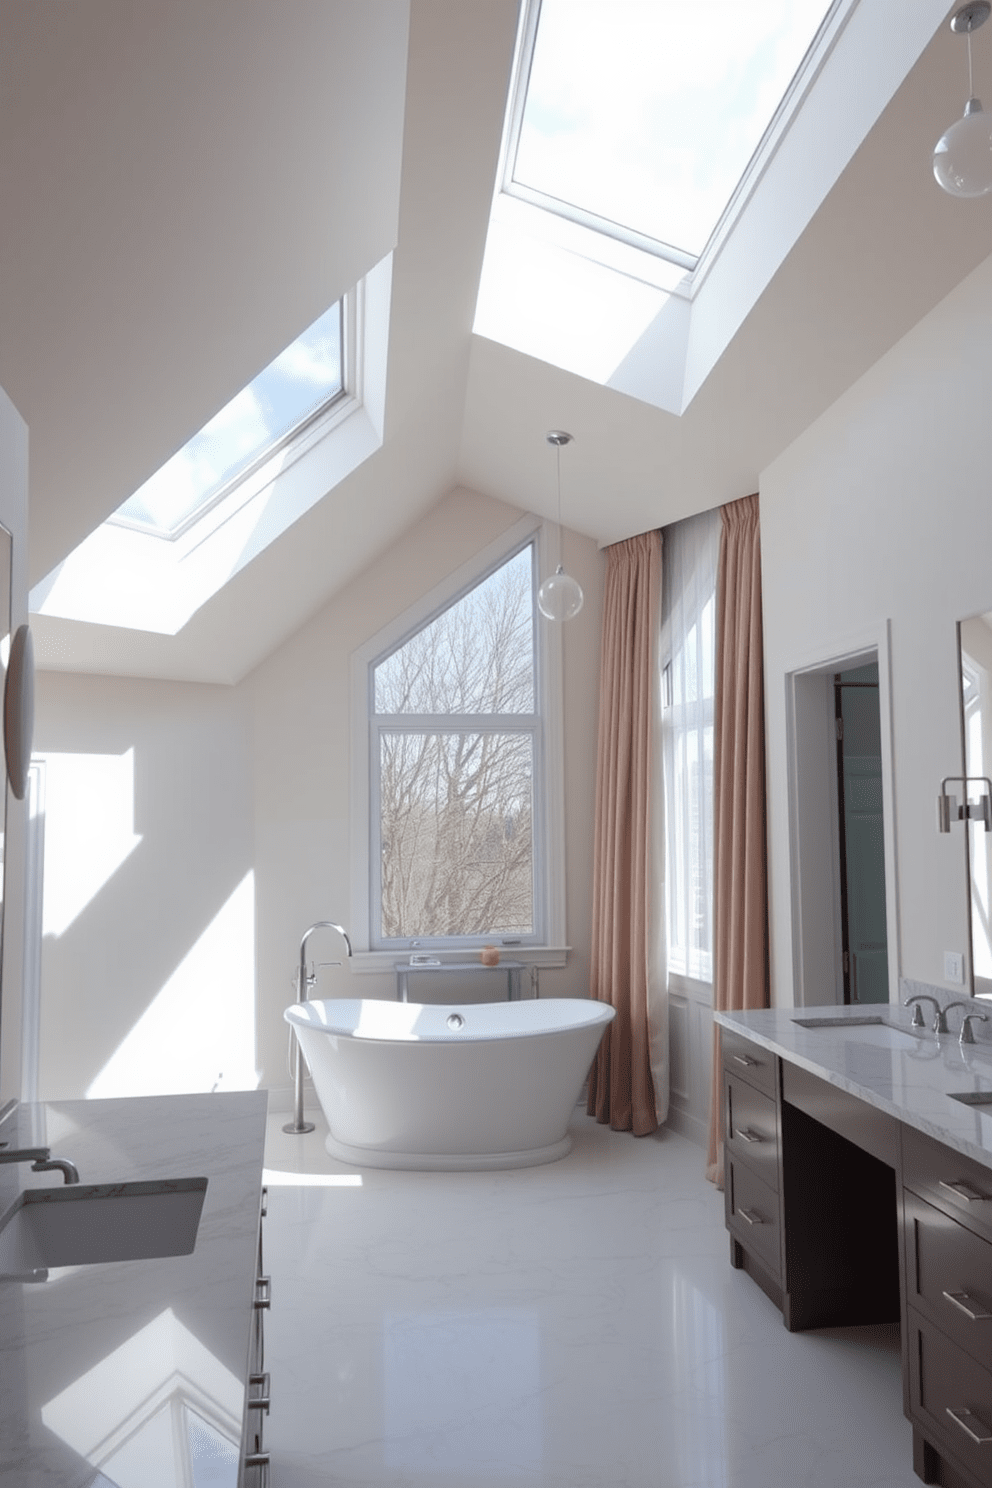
x: 953, y: 967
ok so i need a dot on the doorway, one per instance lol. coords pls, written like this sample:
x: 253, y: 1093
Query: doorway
x: 861, y: 837
x: 842, y: 851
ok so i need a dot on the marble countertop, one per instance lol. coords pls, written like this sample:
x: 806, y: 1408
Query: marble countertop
x: 911, y: 1083
x: 110, y: 1373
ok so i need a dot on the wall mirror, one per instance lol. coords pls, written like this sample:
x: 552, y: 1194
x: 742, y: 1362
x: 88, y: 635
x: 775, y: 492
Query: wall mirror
x: 975, y: 652
x: 6, y: 559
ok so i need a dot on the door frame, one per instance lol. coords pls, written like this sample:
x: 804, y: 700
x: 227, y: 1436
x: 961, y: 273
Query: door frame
x: 814, y: 848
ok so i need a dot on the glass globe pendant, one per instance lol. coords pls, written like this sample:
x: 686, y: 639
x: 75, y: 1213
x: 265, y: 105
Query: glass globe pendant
x: 962, y: 159
x: 560, y: 596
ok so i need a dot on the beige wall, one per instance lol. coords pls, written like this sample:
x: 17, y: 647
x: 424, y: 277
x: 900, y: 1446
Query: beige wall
x: 13, y: 515
x: 879, y: 518
x: 256, y: 778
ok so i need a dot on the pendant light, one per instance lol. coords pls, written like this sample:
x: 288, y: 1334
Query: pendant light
x: 962, y: 159
x: 559, y: 597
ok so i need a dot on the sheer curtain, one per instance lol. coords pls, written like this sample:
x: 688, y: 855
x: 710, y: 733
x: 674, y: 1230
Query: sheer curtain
x: 688, y: 647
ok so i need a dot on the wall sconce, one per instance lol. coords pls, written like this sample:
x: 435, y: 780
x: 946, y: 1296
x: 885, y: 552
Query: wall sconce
x: 948, y: 809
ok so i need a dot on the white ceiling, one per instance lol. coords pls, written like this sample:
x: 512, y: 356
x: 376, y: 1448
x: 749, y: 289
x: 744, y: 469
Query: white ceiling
x: 185, y: 186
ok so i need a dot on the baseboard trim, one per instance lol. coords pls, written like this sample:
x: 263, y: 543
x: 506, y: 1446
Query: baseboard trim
x: 687, y: 1125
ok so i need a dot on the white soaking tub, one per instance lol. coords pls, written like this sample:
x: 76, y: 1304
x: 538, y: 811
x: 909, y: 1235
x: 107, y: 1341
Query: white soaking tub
x: 472, y: 1086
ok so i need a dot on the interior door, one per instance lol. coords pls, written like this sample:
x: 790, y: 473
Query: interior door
x: 862, y: 852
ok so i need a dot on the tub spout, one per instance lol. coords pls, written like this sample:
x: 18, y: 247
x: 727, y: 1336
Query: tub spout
x: 304, y: 981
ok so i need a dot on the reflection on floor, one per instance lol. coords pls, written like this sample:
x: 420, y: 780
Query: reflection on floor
x: 575, y: 1325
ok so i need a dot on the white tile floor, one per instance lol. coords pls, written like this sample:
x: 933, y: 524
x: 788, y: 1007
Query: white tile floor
x: 575, y: 1325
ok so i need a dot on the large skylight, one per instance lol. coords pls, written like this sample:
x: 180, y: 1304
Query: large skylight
x: 302, y: 379
x: 273, y: 452
x: 641, y: 116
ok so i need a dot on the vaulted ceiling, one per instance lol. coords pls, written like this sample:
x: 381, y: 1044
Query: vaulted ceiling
x: 185, y: 186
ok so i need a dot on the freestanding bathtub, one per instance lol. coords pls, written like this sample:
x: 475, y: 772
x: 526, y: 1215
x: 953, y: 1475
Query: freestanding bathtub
x: 472, y: 1086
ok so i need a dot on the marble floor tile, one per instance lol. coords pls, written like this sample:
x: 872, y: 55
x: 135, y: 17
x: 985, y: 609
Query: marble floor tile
x: 570, y: 1326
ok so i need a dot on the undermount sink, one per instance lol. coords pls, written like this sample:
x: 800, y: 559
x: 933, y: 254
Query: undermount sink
x: 868, y: 1030
x: 84, y: 1224
x: 972, y: 1097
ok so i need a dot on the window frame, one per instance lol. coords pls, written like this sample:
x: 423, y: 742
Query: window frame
x: 546, y: 945
x: 284, y: 448
x: 597, y: 230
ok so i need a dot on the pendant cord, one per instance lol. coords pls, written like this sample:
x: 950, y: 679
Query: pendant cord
x: 971, y: 81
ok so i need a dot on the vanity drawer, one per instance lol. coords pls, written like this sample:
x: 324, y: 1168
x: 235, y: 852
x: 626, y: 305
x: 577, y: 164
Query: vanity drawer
x: 753, y: 1216
x: 950, y: 1398
x: 752, y: 1128
x: 949, y: 1277
x: 749, y: 1061
x: 948, y: 1179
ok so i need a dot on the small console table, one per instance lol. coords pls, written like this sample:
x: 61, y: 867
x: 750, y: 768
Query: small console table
x: 509, y: 969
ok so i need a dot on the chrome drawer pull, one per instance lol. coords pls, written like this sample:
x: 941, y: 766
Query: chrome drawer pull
x: 261, y: 1461
x: 750, y: 1216
x: 747, y: 1135
x: 744, y: 1060
x: 263, y: 1291
x: 970, y: 1424
x: 262, y: 1401
x: 265, y: 1202
x: 969, y: 1306
x: 962, y: 1189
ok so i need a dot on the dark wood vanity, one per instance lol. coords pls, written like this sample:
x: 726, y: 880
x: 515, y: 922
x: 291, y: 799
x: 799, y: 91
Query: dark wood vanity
x: 844, y: 1214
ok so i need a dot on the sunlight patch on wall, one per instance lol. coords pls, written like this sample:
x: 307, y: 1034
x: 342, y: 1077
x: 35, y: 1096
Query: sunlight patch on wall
x: 89, y: 830
x: 561, y: 306
x: 199, y: 1032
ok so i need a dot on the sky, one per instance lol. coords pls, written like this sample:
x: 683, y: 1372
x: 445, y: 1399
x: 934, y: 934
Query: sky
x: 293, y: 385
x: 647, y: 112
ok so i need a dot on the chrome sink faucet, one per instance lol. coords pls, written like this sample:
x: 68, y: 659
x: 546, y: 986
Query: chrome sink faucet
x: 40, y: 1158
x: 970, y: 1013
x: 940, y: 1014
x: 41, y: 1161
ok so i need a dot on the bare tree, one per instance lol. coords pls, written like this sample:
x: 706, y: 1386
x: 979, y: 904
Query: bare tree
x: 455, y: 776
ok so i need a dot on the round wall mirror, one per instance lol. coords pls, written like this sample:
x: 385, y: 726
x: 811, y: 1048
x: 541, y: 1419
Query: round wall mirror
x: 18, y: 711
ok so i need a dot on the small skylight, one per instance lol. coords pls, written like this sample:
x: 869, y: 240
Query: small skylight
x: 302, y: 380
x: 641, y: 116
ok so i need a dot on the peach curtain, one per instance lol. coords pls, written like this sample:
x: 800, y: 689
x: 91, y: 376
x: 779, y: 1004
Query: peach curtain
x: 621, y: 1089
x: 740, y: 867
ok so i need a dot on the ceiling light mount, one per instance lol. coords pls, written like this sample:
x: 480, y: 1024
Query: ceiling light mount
x: 560, y: 596
x: 962, y: 159
x: 970, y: 17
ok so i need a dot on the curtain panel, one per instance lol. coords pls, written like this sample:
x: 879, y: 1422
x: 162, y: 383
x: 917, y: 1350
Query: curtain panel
x: 740, y: 860
x: 625, y: 915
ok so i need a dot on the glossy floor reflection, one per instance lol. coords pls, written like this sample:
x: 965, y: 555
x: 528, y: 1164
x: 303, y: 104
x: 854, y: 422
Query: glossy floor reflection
x: 576, y: 1326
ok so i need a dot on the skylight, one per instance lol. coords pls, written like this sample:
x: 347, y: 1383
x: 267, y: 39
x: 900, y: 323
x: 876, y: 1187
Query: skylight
x: 279, y: 447
x: 640, y: 116
x: 303, y: 379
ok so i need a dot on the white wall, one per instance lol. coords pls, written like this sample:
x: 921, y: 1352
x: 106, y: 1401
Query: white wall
x: 148, y: 835
x: 880, y: 515
x: 251, y: 779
